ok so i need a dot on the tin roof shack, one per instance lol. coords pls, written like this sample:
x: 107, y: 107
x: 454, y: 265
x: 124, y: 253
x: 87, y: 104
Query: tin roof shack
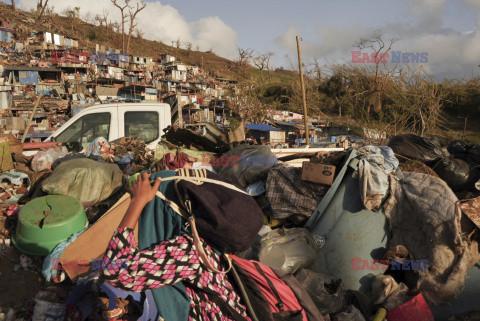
x: 264, y: 133
x: 176, y: 72
x: 50, y: 41
x: 166, y: 59
x: 106, y: 89
x: 32, y: 75
x: 139, y: 62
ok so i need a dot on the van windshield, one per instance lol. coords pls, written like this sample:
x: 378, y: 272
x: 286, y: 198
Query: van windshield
x: 84, y: 130
x: 142, y: 125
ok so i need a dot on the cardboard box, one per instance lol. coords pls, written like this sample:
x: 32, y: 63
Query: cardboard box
x: 90, y: 246
x: 318, y: 173
x: 17, y: 122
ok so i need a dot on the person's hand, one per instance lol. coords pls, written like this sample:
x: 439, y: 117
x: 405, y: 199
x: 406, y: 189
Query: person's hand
x: 142, y: 191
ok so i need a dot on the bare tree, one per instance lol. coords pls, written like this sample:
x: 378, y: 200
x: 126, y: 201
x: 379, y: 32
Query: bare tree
x: 262, y: 61
x: 138, y: 33
x: 106, y: 21
x: 318, y: 69
x: 97, y: 20
x: 72, y: 14
x: 87, y: 17
x: 132, y: 13
x: 244, y: 57
x: 13, y: 4
x: 178, y: 43
x: 188, y: 45
x: 41, y: 6
x: 122, y: 7
x: 381, y: 49
x: 115, y: 26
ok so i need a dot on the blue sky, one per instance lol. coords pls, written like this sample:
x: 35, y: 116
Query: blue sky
x: 447, y: 29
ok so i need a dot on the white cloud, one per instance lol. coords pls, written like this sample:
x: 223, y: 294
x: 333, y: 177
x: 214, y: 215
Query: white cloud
x: 212, y: 32
x: 160, y: 22
x: 451, y: 53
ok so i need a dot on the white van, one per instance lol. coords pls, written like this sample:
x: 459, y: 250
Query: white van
x: 113, y: 121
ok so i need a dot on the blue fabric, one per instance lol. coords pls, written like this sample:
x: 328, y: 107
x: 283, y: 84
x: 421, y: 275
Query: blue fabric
x: 49, y: 267
x: 95, y: 147
x: 157, y: 223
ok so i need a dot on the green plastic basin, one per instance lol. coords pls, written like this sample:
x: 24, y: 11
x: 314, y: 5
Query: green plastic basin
x: 46, y: 221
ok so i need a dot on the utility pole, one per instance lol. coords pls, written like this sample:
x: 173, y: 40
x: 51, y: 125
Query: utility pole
x: 300, y: 67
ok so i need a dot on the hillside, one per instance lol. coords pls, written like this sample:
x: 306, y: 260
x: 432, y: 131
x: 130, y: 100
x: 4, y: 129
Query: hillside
x: 349, y: 95
x: 89, y: 34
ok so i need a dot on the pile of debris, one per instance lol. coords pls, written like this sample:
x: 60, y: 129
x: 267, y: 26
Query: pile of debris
x: 368, y: 233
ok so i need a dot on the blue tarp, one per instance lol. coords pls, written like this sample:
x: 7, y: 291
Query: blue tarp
x: 262, y: 127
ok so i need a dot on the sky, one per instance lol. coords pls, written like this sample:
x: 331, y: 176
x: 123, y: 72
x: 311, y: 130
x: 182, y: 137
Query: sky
x: 447, y: 30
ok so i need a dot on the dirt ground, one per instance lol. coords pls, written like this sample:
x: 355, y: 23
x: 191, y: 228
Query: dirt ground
x: 17, y: 287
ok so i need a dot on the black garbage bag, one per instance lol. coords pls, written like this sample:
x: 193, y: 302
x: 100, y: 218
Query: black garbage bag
x: 246, y: 164
x: 474, y: 155
x: 466, y: 151
x: 459, y: 149
x: 425, y: 150
x: 454, y: 171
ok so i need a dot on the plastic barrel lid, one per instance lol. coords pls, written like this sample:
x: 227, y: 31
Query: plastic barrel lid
x: 45, y: 222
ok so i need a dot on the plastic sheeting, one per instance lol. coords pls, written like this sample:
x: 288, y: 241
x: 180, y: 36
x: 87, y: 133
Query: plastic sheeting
x: 44, y: 160
x: 288, y: 249
x: 84, y: 179
x: 246, y: 163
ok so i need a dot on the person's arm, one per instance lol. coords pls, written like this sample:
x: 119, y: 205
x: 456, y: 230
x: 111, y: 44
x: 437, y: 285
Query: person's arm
x: 142, y: 192
x: 166, y: 263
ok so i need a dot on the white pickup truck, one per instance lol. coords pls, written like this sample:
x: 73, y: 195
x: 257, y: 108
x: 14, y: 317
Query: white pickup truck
x: 113, y: 121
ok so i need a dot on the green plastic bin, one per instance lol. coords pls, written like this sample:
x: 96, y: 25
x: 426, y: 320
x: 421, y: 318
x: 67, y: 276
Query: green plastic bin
x: 46, y: 221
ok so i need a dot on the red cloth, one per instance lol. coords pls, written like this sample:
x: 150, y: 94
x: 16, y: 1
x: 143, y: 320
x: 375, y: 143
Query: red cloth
x: 416, y: 309
x: 179, y: 160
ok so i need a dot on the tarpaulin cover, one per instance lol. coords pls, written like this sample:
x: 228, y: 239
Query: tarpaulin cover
x: 246, y: 163
x: 84, y: 179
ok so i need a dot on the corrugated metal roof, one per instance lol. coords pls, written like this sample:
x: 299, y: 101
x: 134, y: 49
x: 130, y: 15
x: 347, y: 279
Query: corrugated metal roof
x: 262, y: 127
x: 286, y: 123
x: 28, y: 68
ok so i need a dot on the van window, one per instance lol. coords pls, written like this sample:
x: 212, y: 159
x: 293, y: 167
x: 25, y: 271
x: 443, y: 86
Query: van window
x: 142, y: 125
x: 85, y: 129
